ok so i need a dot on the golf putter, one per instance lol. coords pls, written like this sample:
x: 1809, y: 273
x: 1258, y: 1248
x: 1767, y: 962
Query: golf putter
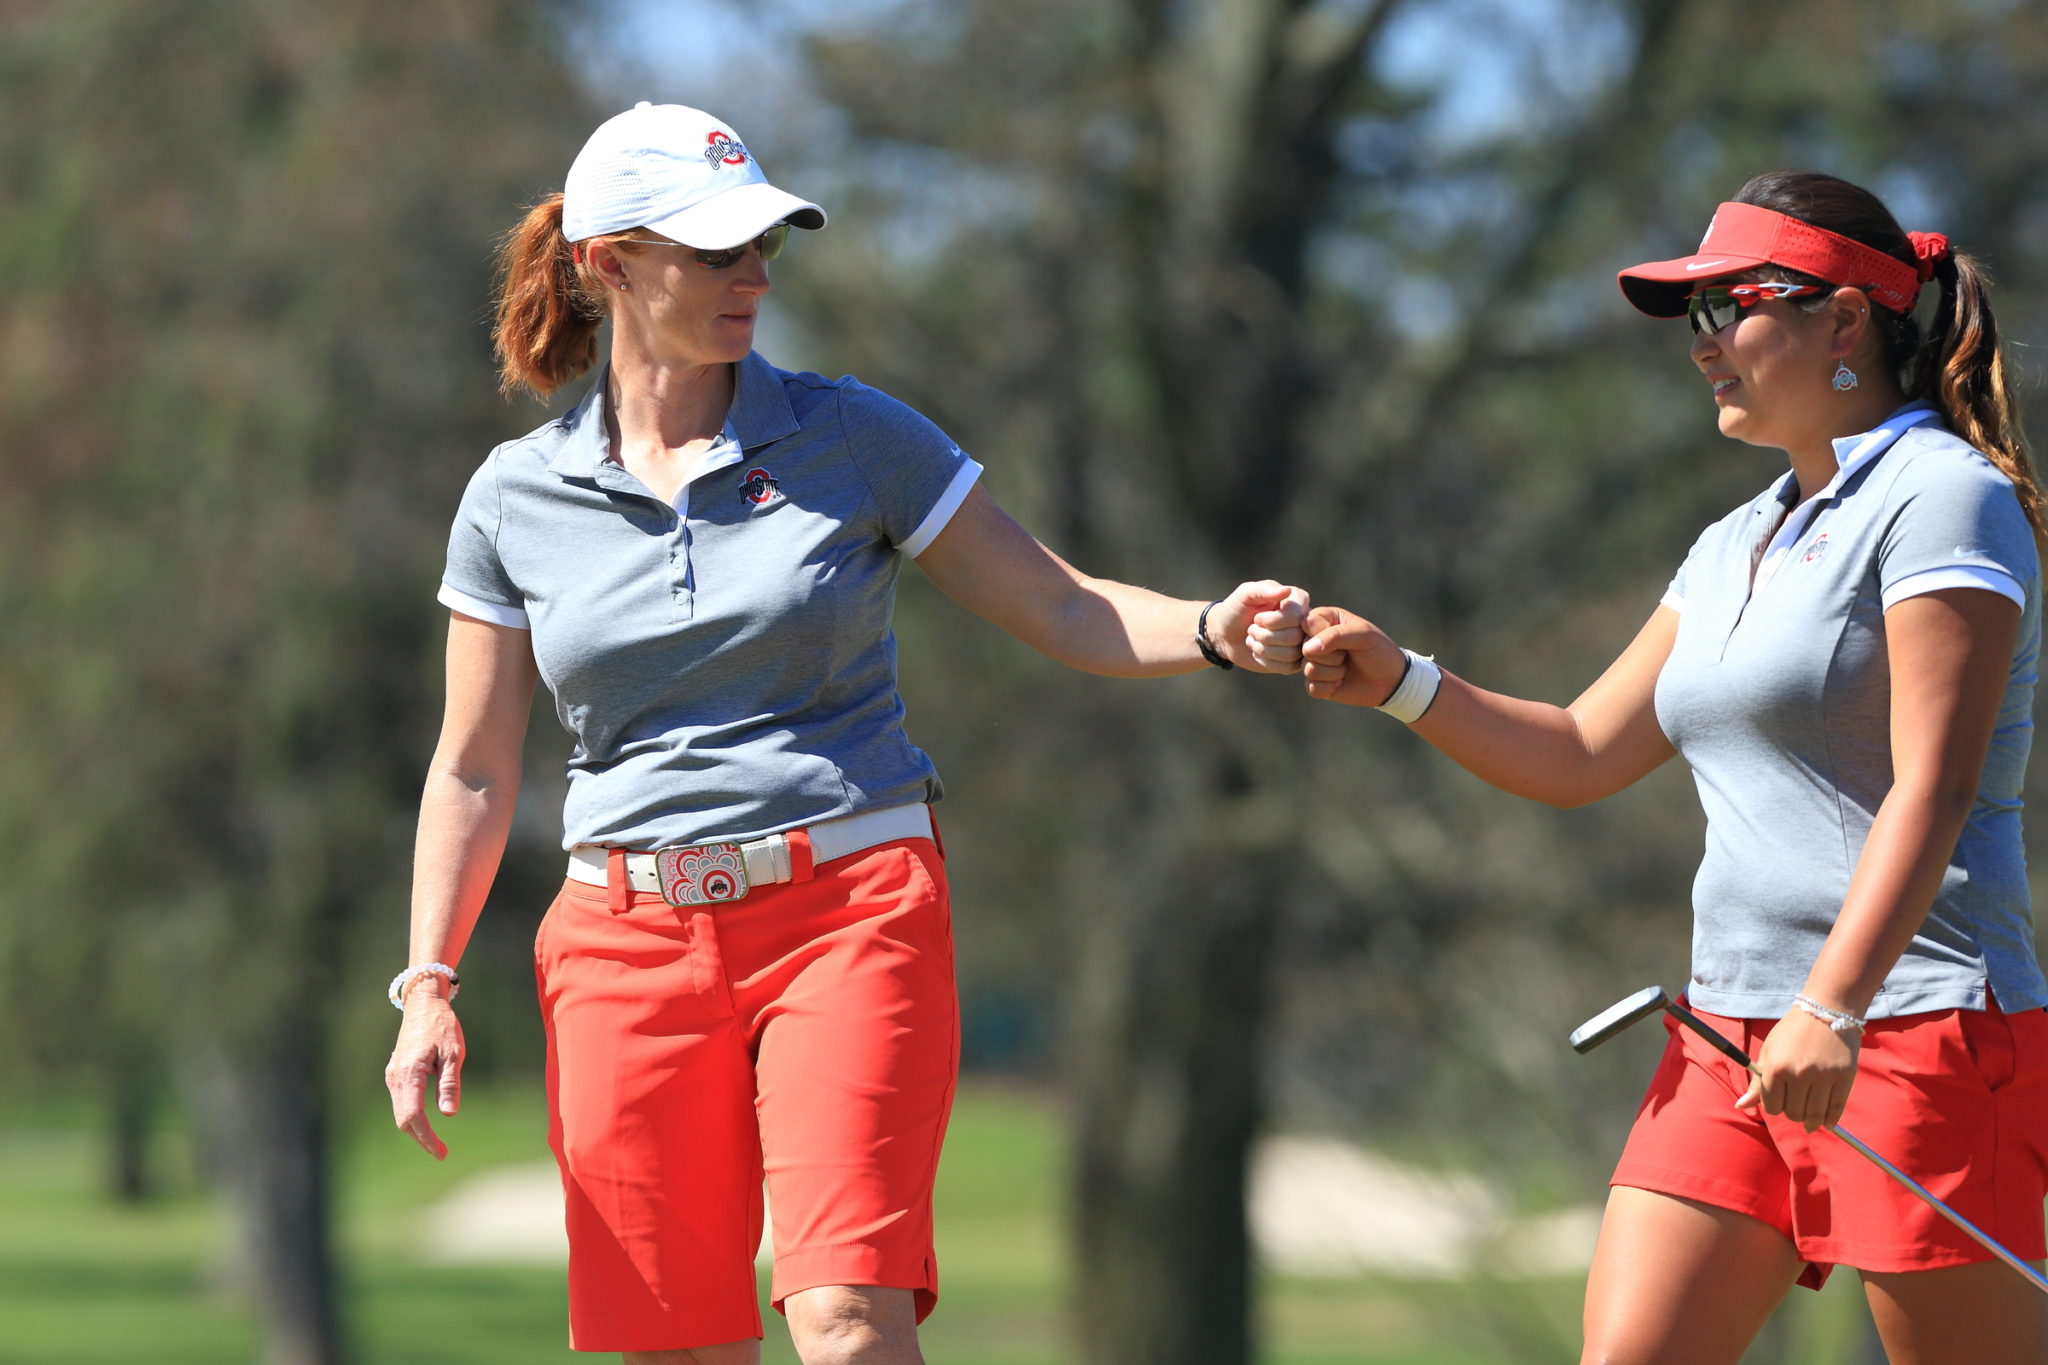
x: 1651, y: 999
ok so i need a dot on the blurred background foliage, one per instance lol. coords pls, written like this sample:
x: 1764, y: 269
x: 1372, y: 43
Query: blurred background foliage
x: 1312, y: 289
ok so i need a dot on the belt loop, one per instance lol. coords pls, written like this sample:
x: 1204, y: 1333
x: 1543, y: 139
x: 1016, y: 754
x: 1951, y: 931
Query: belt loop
x: 938, y: 840
x: 615, y: 883
x: 800, y: 865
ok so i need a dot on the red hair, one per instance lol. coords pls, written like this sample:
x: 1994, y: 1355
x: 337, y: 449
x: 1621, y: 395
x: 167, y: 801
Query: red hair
x: 550, y: 304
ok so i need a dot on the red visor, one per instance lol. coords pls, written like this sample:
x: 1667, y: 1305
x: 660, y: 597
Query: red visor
x: 1743, y: 237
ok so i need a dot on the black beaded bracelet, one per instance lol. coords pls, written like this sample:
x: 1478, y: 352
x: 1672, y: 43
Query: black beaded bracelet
x: 1202, y: 638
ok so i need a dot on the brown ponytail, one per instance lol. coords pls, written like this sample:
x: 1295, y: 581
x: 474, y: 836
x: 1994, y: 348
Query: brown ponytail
x: 1962, y: 368
x: 549, y: 305
x: 1959, y: 366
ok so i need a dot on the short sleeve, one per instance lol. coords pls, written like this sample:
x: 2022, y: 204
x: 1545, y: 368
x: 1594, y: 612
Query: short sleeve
x: 916, y: 474
x: 1674, y: 595
x: 1958, y: 524
x: 475, y: 582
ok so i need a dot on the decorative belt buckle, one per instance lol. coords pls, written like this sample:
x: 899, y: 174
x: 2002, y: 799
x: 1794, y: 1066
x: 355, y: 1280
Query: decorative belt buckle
x: 701, y: 874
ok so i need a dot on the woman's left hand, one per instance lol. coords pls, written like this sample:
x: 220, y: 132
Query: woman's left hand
x: 1807, y: 1069
x: 1258, y: 626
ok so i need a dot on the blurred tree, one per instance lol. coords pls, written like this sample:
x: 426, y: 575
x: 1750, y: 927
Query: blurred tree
x: 1231, y: 287
x: 1155, y: 344
x: 1215, y: 287
x: 243, y: 375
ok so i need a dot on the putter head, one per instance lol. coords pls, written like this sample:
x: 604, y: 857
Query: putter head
x: 1615, y: 1018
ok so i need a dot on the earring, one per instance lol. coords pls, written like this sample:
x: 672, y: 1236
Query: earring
x: 1845, y: 378
x: 624, y: 286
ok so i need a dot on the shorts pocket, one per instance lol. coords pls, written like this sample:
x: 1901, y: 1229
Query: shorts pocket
x: 556, y: 908
x: 1988, y: 1038
x: 930, y: 869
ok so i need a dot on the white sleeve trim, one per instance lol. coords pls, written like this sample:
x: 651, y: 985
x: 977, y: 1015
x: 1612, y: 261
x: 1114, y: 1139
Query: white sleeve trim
x: 1956, y: 576
x: 1672, y: 600
x: 942, y: 510
x: 496, y: 613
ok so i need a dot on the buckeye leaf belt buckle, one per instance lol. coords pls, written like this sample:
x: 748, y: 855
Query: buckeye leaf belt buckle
x: 701, y: 874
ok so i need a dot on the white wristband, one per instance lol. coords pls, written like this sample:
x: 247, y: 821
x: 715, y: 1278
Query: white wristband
x: 404, y: 980
x: 1416, y: 691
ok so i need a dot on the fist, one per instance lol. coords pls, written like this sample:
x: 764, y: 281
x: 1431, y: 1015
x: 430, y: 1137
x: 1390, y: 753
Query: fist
x: 1348, y: 659
x: 1258, y: 626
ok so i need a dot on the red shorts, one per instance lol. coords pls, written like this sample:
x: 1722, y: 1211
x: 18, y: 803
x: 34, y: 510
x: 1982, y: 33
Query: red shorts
x: 1957, y: 1099
x: 807, y: 1034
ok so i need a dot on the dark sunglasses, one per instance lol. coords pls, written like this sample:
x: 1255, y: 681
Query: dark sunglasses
x: 1715, y: 306
x: 770, y: 243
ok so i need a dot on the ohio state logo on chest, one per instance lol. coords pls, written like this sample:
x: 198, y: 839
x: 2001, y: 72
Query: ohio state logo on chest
x: 759, y: 487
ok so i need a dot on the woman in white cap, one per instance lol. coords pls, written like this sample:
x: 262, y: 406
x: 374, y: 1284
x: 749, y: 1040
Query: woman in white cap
x: 748, y: 973
x: 1847, y: 663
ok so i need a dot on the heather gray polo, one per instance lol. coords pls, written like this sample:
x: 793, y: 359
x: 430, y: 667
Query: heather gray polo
x: 724, y: 664
x: 1780, y: 700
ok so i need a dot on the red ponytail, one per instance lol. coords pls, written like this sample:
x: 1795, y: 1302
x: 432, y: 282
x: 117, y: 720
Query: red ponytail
x: 549, y: 305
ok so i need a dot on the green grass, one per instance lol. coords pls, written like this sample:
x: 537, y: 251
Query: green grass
x: 86, y: 1282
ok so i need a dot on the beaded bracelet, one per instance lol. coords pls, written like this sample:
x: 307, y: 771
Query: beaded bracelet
x: 399, y: 983
x: 1839, y: 1020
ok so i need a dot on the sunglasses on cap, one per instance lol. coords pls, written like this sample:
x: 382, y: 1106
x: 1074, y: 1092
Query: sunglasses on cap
x: 770, y: 243
x: 1714, y: 306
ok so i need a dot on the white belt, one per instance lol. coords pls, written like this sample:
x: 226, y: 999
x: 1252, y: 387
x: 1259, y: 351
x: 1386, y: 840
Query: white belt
x: 700, y: 873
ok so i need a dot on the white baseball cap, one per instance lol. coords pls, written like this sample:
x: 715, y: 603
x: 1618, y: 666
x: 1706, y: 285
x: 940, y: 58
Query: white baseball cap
x: 679, y: 172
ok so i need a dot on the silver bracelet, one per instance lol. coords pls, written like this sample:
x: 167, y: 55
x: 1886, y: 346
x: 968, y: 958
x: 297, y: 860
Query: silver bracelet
x: 399, y: 983
x: 1416, y: 690
x: 1838, y: 1020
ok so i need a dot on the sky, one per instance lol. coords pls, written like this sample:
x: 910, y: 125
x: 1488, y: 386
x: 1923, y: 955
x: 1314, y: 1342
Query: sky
x: 1496, y: 61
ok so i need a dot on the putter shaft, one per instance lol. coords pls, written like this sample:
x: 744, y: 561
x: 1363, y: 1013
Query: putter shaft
x: 1587, y: 1037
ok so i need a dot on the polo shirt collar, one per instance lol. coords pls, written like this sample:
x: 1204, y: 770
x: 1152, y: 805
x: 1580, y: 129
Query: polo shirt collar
x: 760, y: 405
x: 581, y: 451
x: 760, y: 413
x: 1853, y: 453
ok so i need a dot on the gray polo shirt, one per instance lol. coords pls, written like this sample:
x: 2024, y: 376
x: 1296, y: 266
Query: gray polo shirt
x: 725, y: 664
x: 1780, y: 700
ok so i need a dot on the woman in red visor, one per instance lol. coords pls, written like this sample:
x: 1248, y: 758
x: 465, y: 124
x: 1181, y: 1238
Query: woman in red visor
x: 1847, y: 663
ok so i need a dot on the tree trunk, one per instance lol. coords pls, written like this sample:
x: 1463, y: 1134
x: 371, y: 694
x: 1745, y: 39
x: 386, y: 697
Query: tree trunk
x: 263, y: 1102
x: 131, y: 1098
x: 1169, y: 1101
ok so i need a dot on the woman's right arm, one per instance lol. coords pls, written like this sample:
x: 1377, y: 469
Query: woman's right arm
x: 1560, y: 755
x: 465, y: 812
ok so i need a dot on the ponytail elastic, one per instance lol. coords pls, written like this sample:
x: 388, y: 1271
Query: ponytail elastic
x: 1929, y: 248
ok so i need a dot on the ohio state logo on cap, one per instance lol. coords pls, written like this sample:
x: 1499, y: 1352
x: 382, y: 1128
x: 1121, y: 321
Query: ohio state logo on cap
x: 724, y: 149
